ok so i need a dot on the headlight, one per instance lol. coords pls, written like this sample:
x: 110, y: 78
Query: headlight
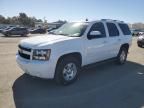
x: 41, y: 54
x: 140, y: 37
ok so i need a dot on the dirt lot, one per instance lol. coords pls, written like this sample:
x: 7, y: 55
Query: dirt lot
x: 102, y: 86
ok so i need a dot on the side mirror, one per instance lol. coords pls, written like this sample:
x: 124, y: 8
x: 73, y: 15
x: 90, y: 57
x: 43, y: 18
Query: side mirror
x: 95, y: 33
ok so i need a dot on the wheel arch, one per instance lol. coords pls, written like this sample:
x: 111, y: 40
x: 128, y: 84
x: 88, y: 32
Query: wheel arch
x: 76, y: 55
x: 57, y: 76
x: 126, y: 45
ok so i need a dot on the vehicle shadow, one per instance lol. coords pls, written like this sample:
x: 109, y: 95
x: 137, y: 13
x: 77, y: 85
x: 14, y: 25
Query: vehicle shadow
x: 103, y: 86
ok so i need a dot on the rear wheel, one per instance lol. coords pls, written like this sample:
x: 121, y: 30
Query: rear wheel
x: 67, y: 71
x: 24, y: 35
x: 7, y: 35
x: 140, y: 45
x: 122, y: 56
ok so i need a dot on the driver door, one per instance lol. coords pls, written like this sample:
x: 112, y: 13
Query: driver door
x: 96, y: 46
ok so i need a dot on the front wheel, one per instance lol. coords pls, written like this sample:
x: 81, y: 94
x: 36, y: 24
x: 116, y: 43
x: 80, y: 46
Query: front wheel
x: 122, y: 56
x: 67, y: 70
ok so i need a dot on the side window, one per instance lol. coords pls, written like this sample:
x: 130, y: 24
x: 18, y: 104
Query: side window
x: 13, y: 28
x: 125, y: 29
x: 112, y: 29
x: 98, y: 27
x: 22, y: 29
x: 16, y: 29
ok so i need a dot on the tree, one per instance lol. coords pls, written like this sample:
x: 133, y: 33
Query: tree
x: 23, y: 19
x: 15, y: 20
x: 2, y: 19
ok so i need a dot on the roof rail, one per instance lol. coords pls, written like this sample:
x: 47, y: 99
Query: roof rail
x: 106, y: 19
x: 112, y: 20
x: 118, y: 21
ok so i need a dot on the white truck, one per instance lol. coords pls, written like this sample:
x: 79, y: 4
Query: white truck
x: 61, y: 54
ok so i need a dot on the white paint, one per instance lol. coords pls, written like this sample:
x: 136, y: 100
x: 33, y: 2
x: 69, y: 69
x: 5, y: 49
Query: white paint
x: 91, y: 50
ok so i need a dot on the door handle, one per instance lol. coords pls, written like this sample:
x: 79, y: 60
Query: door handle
x: 119, y: 39
x: 104, y: 41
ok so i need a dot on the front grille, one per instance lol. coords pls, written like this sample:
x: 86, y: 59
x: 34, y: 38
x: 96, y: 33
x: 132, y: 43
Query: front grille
x: 24, y: 55
x: 24, y: 52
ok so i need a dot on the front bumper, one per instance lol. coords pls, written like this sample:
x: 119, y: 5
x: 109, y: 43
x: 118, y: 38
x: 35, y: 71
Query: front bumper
x: 42, y: 69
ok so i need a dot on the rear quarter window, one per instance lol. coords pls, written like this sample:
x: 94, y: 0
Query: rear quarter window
x: 125, y: 29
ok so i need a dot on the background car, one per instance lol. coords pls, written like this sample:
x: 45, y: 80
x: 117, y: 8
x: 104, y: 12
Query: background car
x: 140, y: 41
x: 2, y: 28
x: 137, y: 32
x: 16, y: 31
x: 50, y: 29
x: 38, y: 30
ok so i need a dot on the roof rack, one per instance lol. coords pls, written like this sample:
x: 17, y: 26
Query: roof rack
x: 112, y: 20
x: 106, y: 19
x: 118, y: 21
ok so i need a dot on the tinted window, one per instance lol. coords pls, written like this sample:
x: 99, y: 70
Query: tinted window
x: 17, y: 29
x: 125, y: 29
x: 113, y: 31
x: 13, y: 28
x: 22, y: 28
x: 98, y: 27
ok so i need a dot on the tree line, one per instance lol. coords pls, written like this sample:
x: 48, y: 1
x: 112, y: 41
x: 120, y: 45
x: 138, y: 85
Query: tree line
x: 21, y: 19
x: 24, y: 20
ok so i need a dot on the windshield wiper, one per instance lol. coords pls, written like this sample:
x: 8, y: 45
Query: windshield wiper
x: 63, y: 34
x: 58, y: 34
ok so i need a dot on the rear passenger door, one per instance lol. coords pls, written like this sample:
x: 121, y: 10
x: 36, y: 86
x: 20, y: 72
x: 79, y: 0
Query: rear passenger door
x: 14, y: 31
x: 114, y: 40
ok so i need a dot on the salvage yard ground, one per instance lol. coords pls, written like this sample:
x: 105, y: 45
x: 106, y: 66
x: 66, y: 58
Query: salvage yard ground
x: 104, y: 85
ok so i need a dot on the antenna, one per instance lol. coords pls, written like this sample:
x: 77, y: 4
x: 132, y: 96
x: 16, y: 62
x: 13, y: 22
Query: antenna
x: 86, y: 19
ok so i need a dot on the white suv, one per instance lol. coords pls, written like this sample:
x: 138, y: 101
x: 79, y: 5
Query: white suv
x: 62, y: 53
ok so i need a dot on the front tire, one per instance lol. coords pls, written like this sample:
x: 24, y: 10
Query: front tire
x: 122, y: 56
x: 67, y: 71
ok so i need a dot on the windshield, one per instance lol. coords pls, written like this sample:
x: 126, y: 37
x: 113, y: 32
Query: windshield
x: 71, y: 29
x: 9, y: 28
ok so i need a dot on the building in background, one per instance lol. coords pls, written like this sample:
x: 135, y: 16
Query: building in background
x: 41, y: 25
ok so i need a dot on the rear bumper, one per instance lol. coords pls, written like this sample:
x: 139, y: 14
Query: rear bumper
x: 42, y: 69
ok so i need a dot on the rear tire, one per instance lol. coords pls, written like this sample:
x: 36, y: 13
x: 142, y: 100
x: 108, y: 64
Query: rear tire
x: 122, y: 56
x: 67, y: 71
x: 139, y: 45
x: 24, y: 35
x: 7, y: 35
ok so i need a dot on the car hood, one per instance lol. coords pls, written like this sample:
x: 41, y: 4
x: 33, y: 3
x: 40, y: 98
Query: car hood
x: 40, y: 41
